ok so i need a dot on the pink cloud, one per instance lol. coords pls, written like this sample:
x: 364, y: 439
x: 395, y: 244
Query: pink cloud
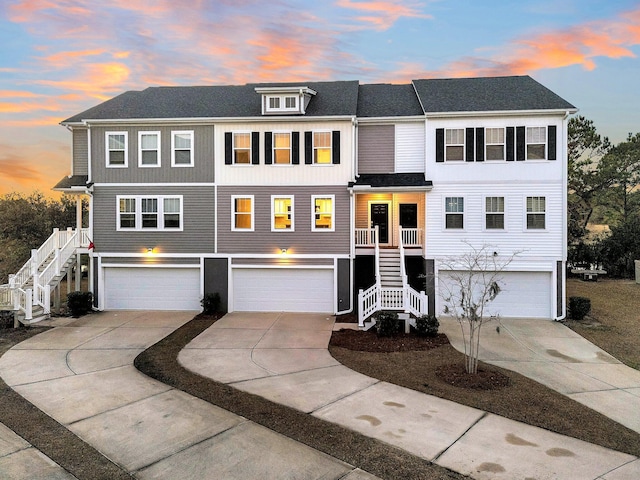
x: 382, y: 14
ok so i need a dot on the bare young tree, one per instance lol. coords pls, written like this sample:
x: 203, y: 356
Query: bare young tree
x: 472, y: 280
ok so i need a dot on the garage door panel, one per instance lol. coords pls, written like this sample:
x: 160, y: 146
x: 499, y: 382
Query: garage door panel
x: 152, y: 289
x: 278, y: 290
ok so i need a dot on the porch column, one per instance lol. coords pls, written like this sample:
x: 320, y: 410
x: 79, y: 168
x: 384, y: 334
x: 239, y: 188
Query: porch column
x: 78, y: 212
x: 78, y: 271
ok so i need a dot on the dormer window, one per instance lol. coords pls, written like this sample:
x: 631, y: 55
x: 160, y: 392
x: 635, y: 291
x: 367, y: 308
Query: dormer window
x: 284, y: 100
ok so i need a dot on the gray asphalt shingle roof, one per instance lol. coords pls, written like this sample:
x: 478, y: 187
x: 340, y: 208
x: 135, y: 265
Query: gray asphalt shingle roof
x: 385, y: 100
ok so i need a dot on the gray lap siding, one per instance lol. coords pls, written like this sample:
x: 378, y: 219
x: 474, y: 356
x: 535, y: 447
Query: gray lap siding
x: 302, y: 240
x: 197, y: 236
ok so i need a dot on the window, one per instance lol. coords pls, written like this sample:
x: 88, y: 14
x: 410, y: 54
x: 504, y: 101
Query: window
x: 149, y: 213
x: 281, y: 213
x: 148, y: 149
x: 494, y: 139
x: 454, y: 145
x: 282, y: 148
x: 536, y: 208
x: 274, y: 103
x: 494, y: 213
x: 322, y: 213
x: 536, y: 143
x: 117, y: 153
x: 182, y: 149
x: 454, y: 212
x: 242, y: 213
x: 282, y: 103
x: 322, y: 148
x: 291, y: 103
x: 242, y: 148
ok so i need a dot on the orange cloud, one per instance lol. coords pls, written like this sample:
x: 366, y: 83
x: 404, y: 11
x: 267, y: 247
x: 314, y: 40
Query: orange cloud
x: 381, y: 15
x: 96, y: 80
x: 68, y: 58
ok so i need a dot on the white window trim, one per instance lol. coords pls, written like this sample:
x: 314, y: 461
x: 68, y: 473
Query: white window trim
x: 140, y: 150
x: 233, y: 148
x: 484, y: 214
x: 273, y: 213
x: 463, y: 144
x: 233, y: 213
x: 526, y: 214
x: 173, y: 148
x: 283, y: 102
x: 138, y: 213
x: 444, y: 214
x: 504, y: 144
x: 313, y: 148
x: 126, y: 149
x: 545, y: 142
x: 273, y: 149
x: 333, y: 213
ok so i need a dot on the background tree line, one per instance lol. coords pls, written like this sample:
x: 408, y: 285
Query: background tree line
x: 604, y: 188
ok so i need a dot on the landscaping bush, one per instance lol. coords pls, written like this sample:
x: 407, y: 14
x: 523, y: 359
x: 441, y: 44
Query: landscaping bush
x: 387, y: 324
x: 579, y: 307
x: 79, y: 303
x: 210, y: 303
x: 427, y: 325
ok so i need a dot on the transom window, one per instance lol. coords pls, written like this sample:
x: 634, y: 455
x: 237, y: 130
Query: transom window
x: 322, y: 148
x: 117, y: 149
x: 242, y: 148
x: 536, y: 143
x: 282, y: 213
x: 323, y: 213
x: 536, y: 213
x: 282, y: 148
x: 149, y: 149
x: 454, y: 144
x: 494, y: 213
x: 182, y: 149
x: 494, y: 138
x: 242, y: 213
x: 454, y: 212
x: 149, y: 213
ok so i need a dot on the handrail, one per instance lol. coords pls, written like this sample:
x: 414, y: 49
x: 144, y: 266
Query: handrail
x: 377, y: 257
x: 403, y: 271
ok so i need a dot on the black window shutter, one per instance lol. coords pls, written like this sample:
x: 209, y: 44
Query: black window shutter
x: 228, y: 148
x: 255, y: 148
x: 480, y: 144
x: 295, y: 148
x: 551, y: 142
x: 268, y: 150
x: 520, y: 144
x: 469, y: 145
x: 439, y: 144
x: 510, y: 139
x: 335, y: 144
x: 308, y: 148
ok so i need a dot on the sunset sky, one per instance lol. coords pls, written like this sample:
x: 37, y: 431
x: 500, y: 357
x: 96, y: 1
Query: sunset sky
x: 59, y: 57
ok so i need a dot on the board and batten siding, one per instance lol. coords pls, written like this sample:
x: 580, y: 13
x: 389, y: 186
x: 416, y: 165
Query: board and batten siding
x: 410, y: 147
x: 80, y: 146
x: 203, y: 150
x: 547, y: 243
x: 301, y: 241
x: 198, y: 220
x: 376, y: 144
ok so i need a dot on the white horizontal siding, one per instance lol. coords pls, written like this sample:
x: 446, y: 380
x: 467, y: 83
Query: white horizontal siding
x: 410, y: 148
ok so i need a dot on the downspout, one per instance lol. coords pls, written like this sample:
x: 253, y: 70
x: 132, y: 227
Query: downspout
x: 565, y: 237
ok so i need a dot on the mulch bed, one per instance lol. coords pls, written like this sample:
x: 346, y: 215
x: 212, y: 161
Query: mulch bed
x: 369, y: 341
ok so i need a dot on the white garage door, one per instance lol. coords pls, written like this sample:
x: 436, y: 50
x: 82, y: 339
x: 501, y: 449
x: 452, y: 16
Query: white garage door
x: 523, y: 295
x: 283, y: 290
x: 152, y: 288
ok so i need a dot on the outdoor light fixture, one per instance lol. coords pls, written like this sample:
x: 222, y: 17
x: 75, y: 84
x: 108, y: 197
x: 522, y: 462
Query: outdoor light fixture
x: 149, y: 250
x: 283, y: 250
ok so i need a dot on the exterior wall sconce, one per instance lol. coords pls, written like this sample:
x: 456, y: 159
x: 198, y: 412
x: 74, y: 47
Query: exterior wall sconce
x: 283, y: 250
x: 149, y: 250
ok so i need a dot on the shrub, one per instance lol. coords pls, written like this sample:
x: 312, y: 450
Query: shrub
x: 387, y: 324
x: 427, y: 325
x: 579, y: 307
x: 79, y: 303
x: 210, y: 303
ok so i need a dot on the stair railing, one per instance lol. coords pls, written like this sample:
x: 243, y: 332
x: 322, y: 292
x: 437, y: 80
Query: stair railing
x: 42, y: 285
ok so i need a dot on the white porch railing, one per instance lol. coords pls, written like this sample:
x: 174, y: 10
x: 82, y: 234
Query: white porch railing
x: 411, y: 237
x: 365, y: 237
x: 404, y: 299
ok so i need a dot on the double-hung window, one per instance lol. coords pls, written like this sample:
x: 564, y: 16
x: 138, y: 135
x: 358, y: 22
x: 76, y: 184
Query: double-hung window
x: 494, y: 143
x: 242, y: 213
x: 536, y: 213
x: 536, y: 143
x: 454, y: 144
x: 137, y: 213
x: 117, y: 149
x: 282, y: 219
x: 182, y: 149
x: 242, y: 148
x: 454, y: 213
x: 282, y: 148
x: 148, y: 149
x: 322, y: 148
x: 323, y: 213
x: 494, y: 213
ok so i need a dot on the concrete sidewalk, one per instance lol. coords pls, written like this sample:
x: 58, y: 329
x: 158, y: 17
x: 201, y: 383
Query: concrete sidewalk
x: 82, y: 375
x: 283, y: 357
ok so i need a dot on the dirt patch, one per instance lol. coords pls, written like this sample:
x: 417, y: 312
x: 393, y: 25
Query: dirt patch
x: 369, y: 341
x: 456, y: 375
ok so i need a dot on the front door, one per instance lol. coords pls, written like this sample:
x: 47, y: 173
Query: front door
x: 408, y: 213
x: 380, y: 218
